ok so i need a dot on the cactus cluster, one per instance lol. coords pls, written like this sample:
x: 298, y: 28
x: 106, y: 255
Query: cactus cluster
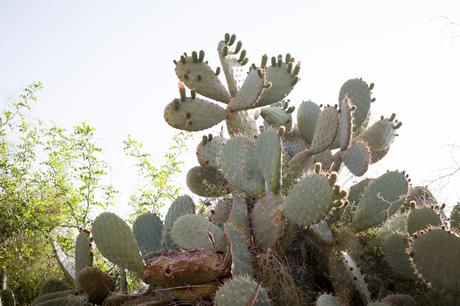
x: 282, y: 230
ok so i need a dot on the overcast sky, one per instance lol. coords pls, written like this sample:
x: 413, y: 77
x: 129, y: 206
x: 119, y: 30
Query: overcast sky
x: 110, y: 63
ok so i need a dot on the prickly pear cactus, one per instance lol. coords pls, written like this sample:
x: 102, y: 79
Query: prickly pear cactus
x: 281, y: 227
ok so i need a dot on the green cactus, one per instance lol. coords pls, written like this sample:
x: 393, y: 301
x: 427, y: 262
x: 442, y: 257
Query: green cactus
x: 207, y: 182
x: 241, y: 259
x: 359, y: 93
x: 192, y: 231
x: 395, y: 251
x: 83, y: 254
x: 116, y: 242
x: 268, y: 153
x: 327, y: 300
x: 309, y: 201
x: 435, y: 255
x: 181, y: 206
x: 148, y: 230
x: 267, y: 221
x: 455, y: 218
x: 422, y: 218
x: 241, y: 291
x: 278, y: 212
x: 307, y: 118
x: 382, y: 198
x: 209, y: 150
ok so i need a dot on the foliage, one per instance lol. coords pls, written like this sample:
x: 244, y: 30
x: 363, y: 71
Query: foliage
x: 159, y: 188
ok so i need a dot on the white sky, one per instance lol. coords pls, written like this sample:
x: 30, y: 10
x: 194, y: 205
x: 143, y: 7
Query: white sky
x: 110, y: 63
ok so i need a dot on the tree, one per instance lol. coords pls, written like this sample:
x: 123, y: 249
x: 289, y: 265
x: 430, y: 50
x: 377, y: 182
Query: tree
x: 159, y: 188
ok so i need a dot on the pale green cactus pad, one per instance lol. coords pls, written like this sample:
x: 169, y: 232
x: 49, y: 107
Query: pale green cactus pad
x: 283, y: 75
x: 233, y: 59
x: 327, y: 300
x: 267, y: 221
x: 207, y: 182
x: 307, y: 118
x: 193, y: 114
x: 382, y: 199
x: 242, y: 123
x: 209, y: 150
x: 239, y: 218
x: 326, y: 130
x: 199, y: 76
x: 395, y: 247
x: 381, y: 134
x: 250, y: 92
x: 360, y: 95
x: 221, y: 212
x: 309, y: 201
x: 192, y: 231
x: 181, y: 206
x: 455, y: 218
x: 241, y: 291
x: 294, y: 143
x: 345, y: 124
x: 268, y: 156
x: 83, y: 255
x: 278, y: 115
x: 148, y: 230
x: 397, y: 223
x: 422, y: 218
x: 241, y: 259
x: 115, y: 240
x: 435, y: 255
x: 238, y: 163
x: 357, y: 158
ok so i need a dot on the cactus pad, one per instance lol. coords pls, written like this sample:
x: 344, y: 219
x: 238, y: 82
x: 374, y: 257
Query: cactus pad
x: 283, y: 76
x: 147, y: 230
x: 248, y: 94
x: 83, y: 255
x: 181, y: 206
x: 357, y: 158
x: 241, y: 291
x: 184, y: 268
x: 395, y: 251
x: 221, y: 212
x: 267, y: 221
x: 435, y: 255
x: 241, y: 259
x: 233, y: 58
x: 327, y: 300
x: 326, y: 130
x: 193, y: 114
x: 307, y: 118
x: 209, y: 150
x: 268, y: 157
x: 116, y: 242
x: 276, y: 117
x: 359, y: 93
x: 192, y: 231
x: 455, y: 218
x: 382, y: 199
x: 239, y: 218
x: 422, y: 218
x: 199, y: 76
x: 238, y: 163
x: 207, y: 182
x: 309, y: 201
